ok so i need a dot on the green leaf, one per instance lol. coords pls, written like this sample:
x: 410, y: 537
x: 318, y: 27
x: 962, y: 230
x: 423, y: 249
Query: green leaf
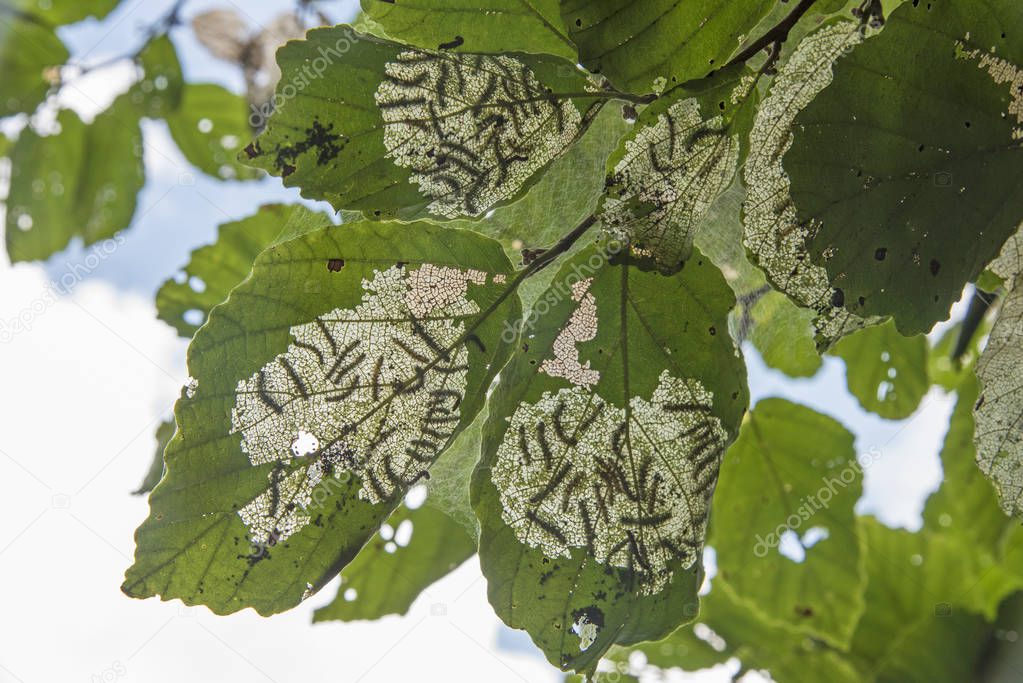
x: 729, y: 629
x: 60, y: 13
x: 325, y: 387
x: 466, y: 26
x: 80, y: 182
x: 601, y: 451
x: 775, y: 482
x: 885, y: 371
x: 999, y: 410
x: 376, y: 126
x: 948, y: 372
x: 164, y: 432
x: 772, y: 232
x: 451, y: 475
x: 783, y: 334
x: 682, y: 155
x: 966, y: 503
x: 909, y: 168
x: 780, y: 331
x: 640, y: 46
x: 30, y: 54
x: 386, y: 577
x: 160, y: 90
x: 925, y: 595
x: 210, y: 128
x: 214, y: 270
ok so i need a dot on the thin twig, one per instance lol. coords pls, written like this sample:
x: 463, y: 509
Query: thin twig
x: 776, y: 36
x: 159, y: 28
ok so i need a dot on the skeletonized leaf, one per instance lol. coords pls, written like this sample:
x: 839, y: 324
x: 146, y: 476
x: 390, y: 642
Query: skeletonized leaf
x: 772, y: 232
x: 392, y: 570
x: 999, y: 410
x: 184, y: 302
x: 682, y: 155
x: 566, y: 194
x: 1010, y: 259
x: 600, y: 455
x: 775, y: 482
x: 886, y: 371
x: 376, y: 126
x: 470, y: 26
x: 324, y: 388
x: 639, y: 46
x: 908, y: 168
x: 80, y: 182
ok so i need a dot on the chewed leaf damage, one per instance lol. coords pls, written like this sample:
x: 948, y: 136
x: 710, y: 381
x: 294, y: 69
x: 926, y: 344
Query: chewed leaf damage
x: 471, y: 128
x: 631, y: 488
x: 373, y: 391
x: 581, y: 327
x: 1003, y: 72
x: 772, y: 232
x: 670, y: 175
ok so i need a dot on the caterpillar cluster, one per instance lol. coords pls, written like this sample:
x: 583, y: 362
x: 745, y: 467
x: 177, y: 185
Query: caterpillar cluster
x: 630, y: 488
x: 471, y: 128
x: 374, y: 391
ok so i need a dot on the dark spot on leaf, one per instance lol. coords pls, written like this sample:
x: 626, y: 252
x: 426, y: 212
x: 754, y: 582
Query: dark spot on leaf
x: 838, y: 298
x: 451, y: 45
x: 592, y: 613
x: 881, y: 253
x: 335, y: 264
x: 862, y: 300
x: 578, y: 22
x: 804, y: 611
x: 319, y: 137
x: 712, y: 330
x: 252, y: 151
x: 935, y: 266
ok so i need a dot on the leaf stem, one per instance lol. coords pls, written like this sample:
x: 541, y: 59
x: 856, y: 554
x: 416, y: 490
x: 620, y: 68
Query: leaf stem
x: 980, y: 302
x: 563, y: 245
x: 776, y: 36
